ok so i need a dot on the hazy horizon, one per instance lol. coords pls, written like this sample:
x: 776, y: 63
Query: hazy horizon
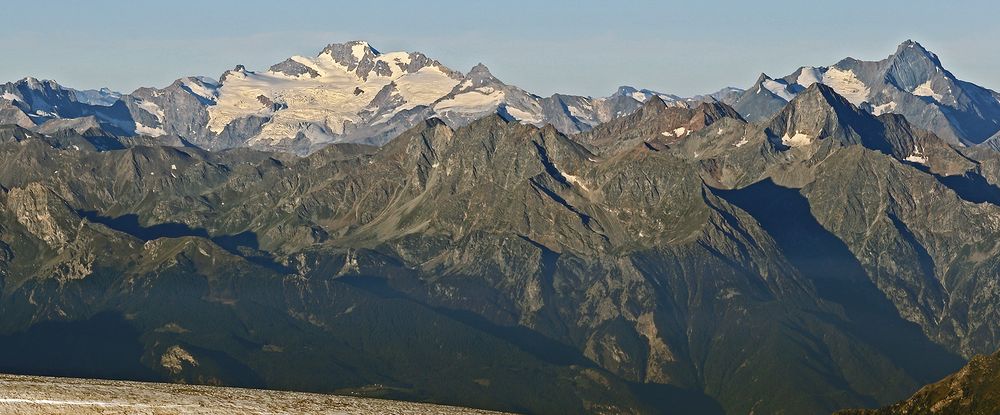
x: 587, y: 48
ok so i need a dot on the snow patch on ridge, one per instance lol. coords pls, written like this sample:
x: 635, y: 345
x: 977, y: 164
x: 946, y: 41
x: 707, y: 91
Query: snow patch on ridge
x: 778, y: 88
x: 524, y: 116
x: 808, y: 76
x: 477, y: 100
x: 152, y: 109
x: 200, y: 90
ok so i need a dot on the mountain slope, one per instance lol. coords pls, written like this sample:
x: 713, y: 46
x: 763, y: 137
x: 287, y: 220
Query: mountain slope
x: 821, y: 259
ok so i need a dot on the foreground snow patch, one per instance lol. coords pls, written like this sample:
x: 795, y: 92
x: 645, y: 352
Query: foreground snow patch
x: 35, y: 395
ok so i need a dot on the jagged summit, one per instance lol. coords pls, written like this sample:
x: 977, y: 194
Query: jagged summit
x: 654, y: 104
x: 824, y: 94
x: 479, y: 70
x: 915, y: 69
x: 356, y: 48
x: 910, y: 45
x: 480, y: 75
x: 238, y: 70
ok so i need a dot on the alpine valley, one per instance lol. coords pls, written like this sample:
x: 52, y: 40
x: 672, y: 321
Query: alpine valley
x: 378, y: 224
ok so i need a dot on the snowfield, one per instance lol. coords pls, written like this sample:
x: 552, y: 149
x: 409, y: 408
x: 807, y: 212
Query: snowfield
x: 30, y: 395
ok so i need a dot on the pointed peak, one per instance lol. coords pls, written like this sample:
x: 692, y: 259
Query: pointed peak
x: 819, y: 92
x: 654, y: 107
x: 654, y: 101
x: 762, y: 78
x: 354, y: 55
x: 433, y: 122
x: 912, y: 51
x: 480, y: 76
x: 717, y: 109
x: 479, y: 70
x: 910, y: 44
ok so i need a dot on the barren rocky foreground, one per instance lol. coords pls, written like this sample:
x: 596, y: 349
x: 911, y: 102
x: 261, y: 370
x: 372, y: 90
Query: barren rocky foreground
x: 26, y: 395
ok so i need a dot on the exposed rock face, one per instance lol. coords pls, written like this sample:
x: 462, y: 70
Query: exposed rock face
x: 33, y: 208
x: 176, y: 358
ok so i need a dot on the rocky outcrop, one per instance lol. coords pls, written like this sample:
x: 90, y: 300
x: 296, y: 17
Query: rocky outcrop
x: 974, y: 390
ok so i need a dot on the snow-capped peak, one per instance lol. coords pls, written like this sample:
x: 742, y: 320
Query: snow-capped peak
x: 643, y: 95
x: 361, y: 48
x: 350, y: 54
x: 809, y: 75
x: 345, y: 85
x: 239, y: 71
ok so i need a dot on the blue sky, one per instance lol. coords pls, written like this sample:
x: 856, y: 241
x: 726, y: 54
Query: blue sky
x: 579, y: 47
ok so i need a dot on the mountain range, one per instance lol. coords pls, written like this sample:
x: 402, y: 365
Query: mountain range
x: 683, y: 256
x: 353, y: 93
x: 349, y: 92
